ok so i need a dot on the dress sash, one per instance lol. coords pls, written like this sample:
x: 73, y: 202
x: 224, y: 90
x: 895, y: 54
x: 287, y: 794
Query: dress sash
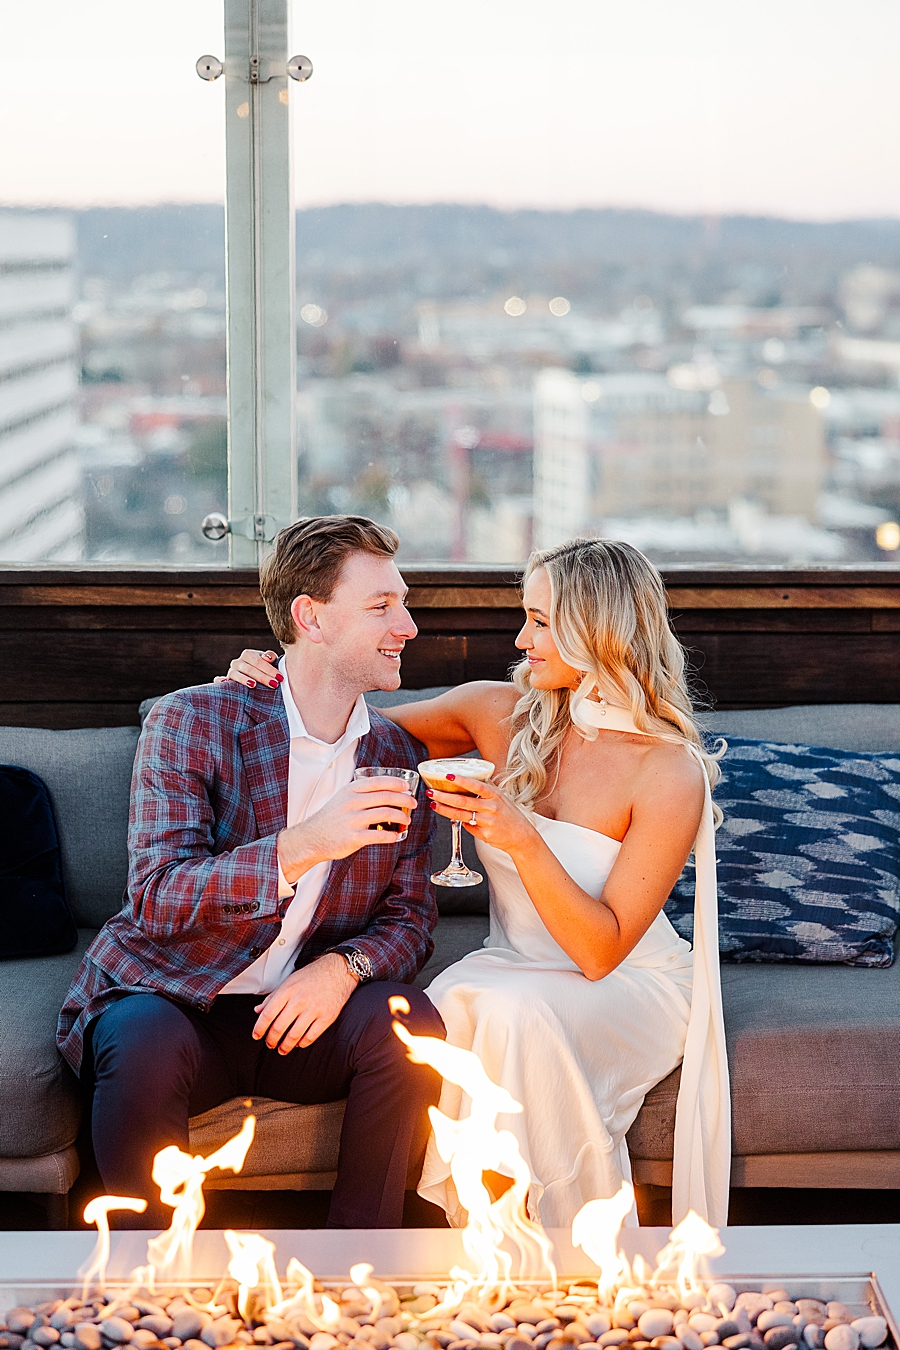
x: 701, y: 1163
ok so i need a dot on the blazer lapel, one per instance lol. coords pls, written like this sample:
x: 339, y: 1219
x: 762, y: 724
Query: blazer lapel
x: 265, y: 750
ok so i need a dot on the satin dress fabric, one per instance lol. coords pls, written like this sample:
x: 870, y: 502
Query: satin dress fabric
x: 581, y: 1055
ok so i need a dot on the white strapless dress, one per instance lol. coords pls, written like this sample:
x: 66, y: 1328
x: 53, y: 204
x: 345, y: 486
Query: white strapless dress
x: 581, y: 1055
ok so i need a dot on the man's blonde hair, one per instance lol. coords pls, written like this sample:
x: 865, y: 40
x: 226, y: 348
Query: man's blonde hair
x: 308, y: 559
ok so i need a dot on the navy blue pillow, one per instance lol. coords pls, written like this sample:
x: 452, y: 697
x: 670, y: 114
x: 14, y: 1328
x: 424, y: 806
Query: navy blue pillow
x: 35, y: 919
x: 809, y: 856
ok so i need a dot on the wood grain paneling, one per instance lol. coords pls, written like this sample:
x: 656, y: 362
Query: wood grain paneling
x: 81, y: 647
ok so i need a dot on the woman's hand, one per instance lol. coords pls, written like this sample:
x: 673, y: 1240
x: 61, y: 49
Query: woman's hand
x: 488, y: 814
x: 252, y: 668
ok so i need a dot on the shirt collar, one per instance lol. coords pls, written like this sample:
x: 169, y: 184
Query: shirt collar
x: 357, y: 723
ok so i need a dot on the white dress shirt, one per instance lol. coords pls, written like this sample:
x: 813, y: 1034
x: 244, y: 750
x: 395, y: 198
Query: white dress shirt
x: 316, y: 772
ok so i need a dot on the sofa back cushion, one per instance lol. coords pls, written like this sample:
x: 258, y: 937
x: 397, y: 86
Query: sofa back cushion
x: 842, y: 726
x: 89, y: 777
x: 808, y: 855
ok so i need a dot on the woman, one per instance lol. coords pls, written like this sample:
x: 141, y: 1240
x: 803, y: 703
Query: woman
x: 584, y: 997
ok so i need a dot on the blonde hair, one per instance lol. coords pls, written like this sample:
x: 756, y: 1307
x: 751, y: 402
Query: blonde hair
x: 608, y: 619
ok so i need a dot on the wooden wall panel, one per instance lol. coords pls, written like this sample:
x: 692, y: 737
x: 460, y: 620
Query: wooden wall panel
x: 83, y: 646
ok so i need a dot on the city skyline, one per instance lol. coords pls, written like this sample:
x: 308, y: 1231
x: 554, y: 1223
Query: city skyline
x: 765, y: 109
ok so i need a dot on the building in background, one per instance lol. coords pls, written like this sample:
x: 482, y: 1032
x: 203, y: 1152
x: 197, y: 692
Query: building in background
x: 686, y: 456
x: 41, y: 514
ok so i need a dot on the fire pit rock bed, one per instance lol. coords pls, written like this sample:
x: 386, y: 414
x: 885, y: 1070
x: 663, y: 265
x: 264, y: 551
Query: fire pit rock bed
x: 528, y: 1319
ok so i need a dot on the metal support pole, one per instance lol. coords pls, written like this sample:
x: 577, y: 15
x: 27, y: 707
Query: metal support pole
x: 260, y: 289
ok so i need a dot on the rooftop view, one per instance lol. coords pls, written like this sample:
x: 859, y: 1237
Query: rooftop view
x: 677, y: 322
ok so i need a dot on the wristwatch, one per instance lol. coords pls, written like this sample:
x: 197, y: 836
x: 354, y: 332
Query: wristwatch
x: 358, y: 962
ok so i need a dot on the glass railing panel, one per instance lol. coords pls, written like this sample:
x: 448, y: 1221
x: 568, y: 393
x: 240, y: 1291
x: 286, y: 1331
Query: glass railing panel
x: 112, y: 310
x: 628, y: 270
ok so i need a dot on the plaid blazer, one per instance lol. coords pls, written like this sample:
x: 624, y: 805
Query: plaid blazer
x: 208, y: 797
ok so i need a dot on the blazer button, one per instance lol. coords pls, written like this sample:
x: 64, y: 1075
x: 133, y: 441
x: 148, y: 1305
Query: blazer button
x: 256, y: 951
x: 254, y: 905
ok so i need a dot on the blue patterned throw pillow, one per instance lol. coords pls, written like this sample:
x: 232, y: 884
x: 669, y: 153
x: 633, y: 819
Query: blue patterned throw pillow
x: 809, y: 856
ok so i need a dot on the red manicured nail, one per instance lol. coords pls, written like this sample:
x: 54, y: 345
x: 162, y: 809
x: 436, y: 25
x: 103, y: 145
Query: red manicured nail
x: 428, y: 792
x: 273, y: 684
x: 280, y: 679
x: 451, y: 777
x: 251, y: 684
x: 433, y: 805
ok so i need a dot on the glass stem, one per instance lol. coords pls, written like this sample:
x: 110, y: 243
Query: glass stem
x: 457, y: 862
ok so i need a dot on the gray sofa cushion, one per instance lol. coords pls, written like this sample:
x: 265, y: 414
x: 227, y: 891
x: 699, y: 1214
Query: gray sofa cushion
x: 814, y: 1053
x: 89, y: 777
x: 842, y: 726
x: 39, y: 1095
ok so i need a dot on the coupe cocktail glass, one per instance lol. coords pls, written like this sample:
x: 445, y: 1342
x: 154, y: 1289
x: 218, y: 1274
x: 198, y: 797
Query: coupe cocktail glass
x: 434, y: 773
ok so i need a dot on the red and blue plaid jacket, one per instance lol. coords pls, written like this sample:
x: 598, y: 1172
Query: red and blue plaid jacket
x: 208, y: 797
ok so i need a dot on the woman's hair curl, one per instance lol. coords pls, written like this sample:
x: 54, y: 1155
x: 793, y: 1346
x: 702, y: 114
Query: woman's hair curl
x: 609, y: 620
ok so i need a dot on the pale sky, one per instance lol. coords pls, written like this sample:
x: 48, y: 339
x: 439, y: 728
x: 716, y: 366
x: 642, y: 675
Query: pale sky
x: 785, y: 107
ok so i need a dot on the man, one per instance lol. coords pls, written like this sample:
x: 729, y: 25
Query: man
x: 266, y: 923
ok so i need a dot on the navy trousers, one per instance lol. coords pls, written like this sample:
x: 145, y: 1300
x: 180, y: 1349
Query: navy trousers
x: 154, y: 1063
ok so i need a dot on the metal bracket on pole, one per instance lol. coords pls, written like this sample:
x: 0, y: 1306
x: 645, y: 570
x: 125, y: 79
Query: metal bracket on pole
x: 262, y: 529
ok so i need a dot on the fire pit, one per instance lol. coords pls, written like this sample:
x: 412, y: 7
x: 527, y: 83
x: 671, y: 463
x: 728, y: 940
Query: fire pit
x: 502, y: 1283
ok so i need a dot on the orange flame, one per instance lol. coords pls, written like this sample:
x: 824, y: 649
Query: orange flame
x: 596, y: 1228
x: 180, y: 1180
x: 97, y: 1211
x: 252, y: 1264
x: 473, y: 1146
x: 686, y: 1252
x: 324, y: 1313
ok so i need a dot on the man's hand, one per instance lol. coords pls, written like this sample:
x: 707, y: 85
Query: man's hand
x: 305, y: 1004
x: 342, y: 825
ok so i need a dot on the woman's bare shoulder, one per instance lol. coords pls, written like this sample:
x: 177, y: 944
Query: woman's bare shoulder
x: 669, y: 766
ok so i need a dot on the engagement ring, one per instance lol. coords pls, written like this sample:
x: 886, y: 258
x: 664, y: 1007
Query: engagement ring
x: 474, y: 820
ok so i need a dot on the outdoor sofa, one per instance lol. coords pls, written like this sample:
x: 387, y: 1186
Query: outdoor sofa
x: 814, y: 1050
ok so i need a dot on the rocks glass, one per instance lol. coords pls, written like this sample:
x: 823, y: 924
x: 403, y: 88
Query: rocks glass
x: 410, y: 778
x: 434, y: 773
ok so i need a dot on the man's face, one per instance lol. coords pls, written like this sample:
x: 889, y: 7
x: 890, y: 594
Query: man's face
x: 365, y: 625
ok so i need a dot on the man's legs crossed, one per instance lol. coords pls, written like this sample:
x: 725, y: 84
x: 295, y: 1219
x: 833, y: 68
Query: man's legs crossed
x: 152, y: 1068
x: 386, y: 1122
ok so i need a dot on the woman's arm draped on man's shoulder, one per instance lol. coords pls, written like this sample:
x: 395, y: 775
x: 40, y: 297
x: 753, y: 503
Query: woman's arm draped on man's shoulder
x: 466, y: 718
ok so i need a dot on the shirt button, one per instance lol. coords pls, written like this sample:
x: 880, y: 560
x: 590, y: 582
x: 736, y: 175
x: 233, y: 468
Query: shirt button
x: 281, y: 942
x: 256, y: 951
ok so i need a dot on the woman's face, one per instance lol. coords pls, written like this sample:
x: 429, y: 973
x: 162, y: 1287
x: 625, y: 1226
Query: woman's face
x: 547, y: 668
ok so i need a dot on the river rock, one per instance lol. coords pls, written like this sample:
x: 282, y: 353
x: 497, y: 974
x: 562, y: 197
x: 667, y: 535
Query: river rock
x: 50, y: 1335
x: 655, y: 1322
x: 769, y: 1318
x: 463, y: 1331
x: 87, y: 1336
x: 722, y: 1295
x: 19, y: 1320
x: 188, y: 1324
x: 778, y: 1338
x: 118, y: 1329
x: 502, y: 1322
x: 617, y: 1336
x: 406, y: 1340
x: 599, y: 1323
x: 842, y: 1337
x: 737, y: 1342
x: 754, y: 1304
x: 158, y: 1323
x: 814, y: 1336
x: 701, y: 1321
x: 709, y: 1337
x: 872, y: 1331
x: 689, y: 1338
